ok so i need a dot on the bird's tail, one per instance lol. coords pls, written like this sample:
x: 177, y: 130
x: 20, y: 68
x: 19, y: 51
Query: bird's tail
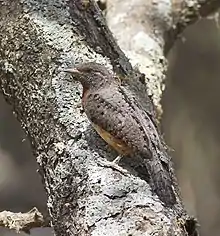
x: 160, y: 181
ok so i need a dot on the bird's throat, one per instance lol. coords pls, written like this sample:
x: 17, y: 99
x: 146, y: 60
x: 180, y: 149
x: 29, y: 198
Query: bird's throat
x: 84, y: 95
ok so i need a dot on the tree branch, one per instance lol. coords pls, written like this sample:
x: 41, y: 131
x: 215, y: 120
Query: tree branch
x: 146, y: 30
x: 185, y: 12
x: 22, y: 221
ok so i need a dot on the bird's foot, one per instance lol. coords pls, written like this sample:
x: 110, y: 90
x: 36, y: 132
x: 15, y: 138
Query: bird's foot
x: 114, y: 165
x: 116, y: 160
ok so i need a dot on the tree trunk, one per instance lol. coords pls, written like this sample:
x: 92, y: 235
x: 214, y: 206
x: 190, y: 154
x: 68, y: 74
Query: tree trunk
x: 39, y: 37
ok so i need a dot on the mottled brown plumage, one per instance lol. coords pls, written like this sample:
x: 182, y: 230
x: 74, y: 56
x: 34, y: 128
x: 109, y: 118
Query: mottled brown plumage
x: 121, y: 121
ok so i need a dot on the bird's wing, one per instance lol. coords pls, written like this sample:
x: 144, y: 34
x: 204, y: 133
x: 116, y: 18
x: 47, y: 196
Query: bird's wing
x: 112, y: 112
x: 146, y: 117
x: 158, y: 165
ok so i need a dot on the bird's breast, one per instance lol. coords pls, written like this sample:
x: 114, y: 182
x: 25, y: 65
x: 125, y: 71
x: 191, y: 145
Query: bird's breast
x: 116, y: 143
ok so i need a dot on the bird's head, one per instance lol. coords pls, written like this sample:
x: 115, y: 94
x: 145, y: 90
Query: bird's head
x: 91, y: 75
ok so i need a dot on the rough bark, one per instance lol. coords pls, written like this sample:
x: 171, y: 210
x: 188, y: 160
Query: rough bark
x: 37, y: 37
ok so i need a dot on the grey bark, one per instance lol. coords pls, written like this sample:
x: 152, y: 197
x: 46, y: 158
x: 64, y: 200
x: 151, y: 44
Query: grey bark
x: 36, y: 38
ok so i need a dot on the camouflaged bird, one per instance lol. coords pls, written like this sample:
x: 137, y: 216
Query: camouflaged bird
x: 119, y: 118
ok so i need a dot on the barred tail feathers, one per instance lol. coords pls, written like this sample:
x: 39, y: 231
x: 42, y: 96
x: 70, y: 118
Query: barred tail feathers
x: 160, y: 181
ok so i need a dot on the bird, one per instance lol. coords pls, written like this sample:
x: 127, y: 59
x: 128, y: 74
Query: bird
x: 121, y: 120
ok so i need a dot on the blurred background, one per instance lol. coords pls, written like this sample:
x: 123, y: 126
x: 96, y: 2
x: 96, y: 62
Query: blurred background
x: 191, y: 120
x: 191, y: 104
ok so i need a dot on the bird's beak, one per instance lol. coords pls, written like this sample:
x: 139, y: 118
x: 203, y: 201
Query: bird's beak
x: 70, y: 70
